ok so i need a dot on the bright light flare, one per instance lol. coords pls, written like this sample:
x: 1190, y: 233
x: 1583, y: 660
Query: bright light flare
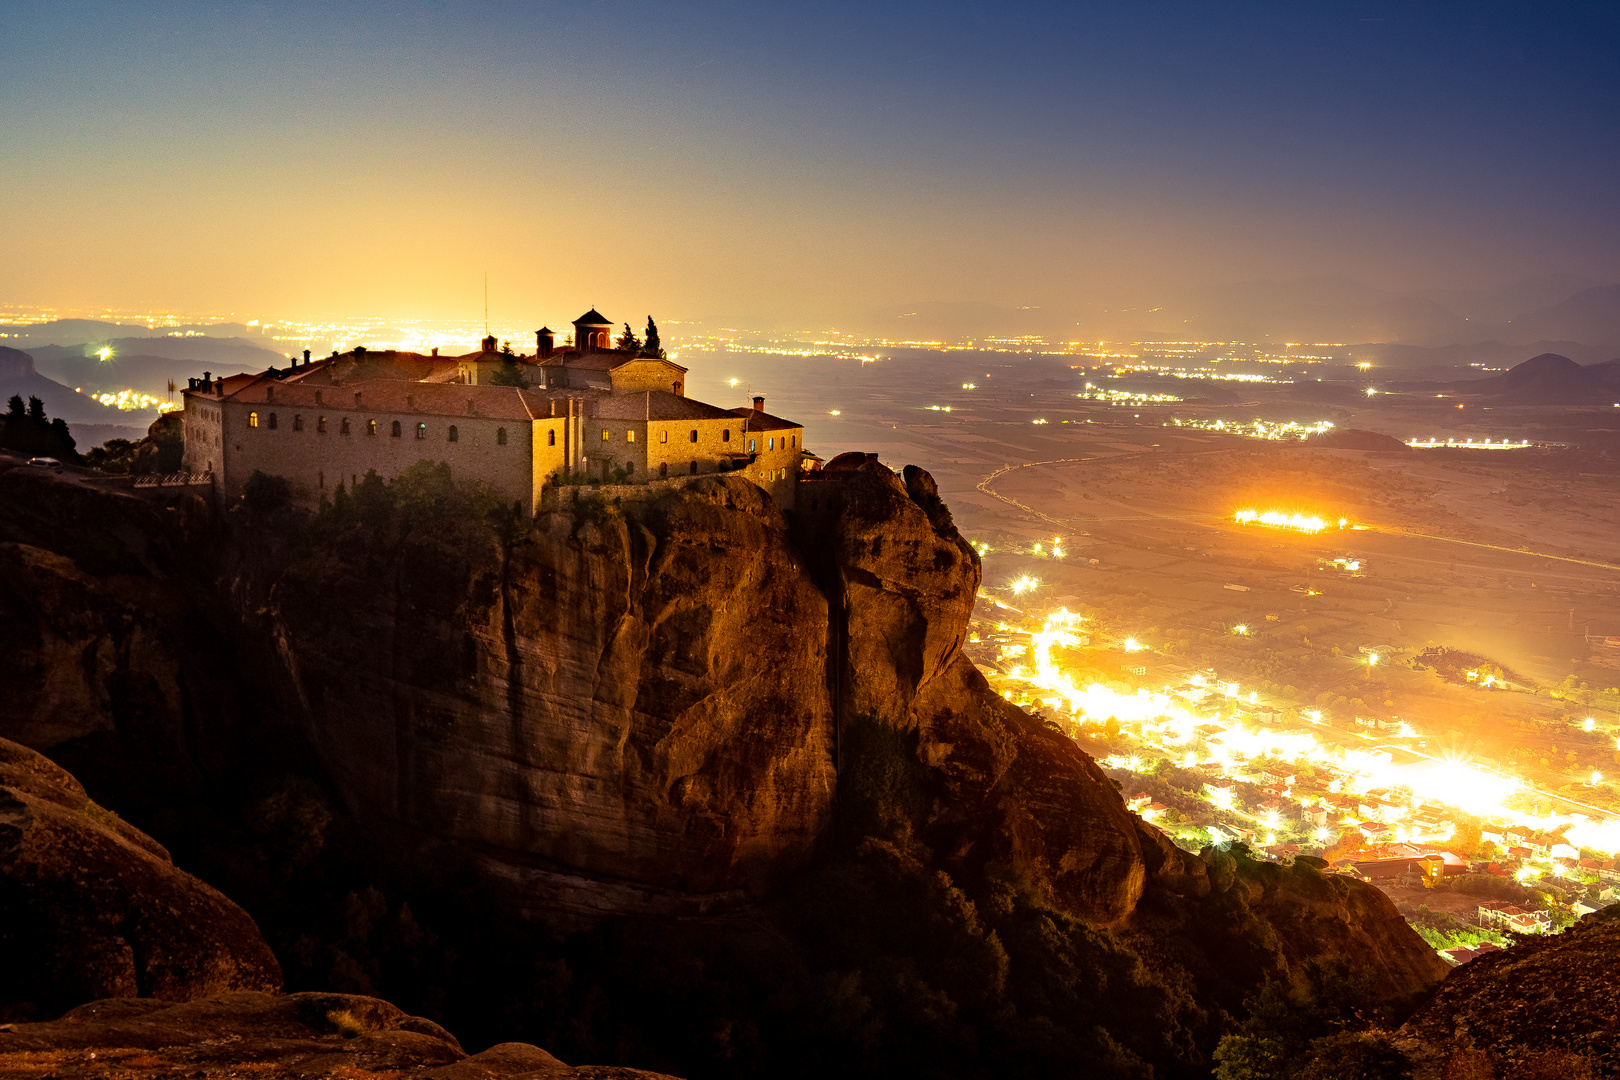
x: 1024, y: 584
x: 1274, y: 519
x: 104, y: 353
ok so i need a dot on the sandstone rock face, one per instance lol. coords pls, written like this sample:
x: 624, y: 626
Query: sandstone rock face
x: 91, y: 907
x: 626, y: 713
x: 639, y: 710
x: 299, y: 1035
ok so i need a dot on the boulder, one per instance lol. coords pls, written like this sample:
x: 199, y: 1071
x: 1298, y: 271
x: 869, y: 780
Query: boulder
x: 91, y: 907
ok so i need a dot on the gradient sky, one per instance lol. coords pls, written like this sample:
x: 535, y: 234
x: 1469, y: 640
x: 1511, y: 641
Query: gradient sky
x: 772, y: 165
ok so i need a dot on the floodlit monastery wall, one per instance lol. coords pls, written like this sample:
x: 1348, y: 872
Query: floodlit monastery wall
x: 315, y: 461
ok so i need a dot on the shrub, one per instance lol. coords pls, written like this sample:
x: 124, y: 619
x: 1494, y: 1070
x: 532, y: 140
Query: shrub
x: 347, y: 1024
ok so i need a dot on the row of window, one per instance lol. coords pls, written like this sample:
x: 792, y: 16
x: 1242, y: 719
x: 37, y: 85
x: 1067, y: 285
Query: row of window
x: 725, y: 436
x: 396, y: 430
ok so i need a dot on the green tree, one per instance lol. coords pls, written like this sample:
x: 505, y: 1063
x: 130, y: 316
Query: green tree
x: 628, y: 340
x: 510, y: 373
x: 653, y: 348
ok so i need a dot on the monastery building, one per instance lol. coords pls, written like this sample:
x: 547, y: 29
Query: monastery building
x: 518, y: 423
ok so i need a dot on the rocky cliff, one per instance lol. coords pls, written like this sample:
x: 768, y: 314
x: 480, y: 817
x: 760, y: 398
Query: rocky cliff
x: 91, y: 907
x: 636, y: 708
x: 1549, y: 1006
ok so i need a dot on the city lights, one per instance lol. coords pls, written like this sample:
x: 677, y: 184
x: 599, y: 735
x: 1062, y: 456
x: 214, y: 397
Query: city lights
x: 1276, y: 520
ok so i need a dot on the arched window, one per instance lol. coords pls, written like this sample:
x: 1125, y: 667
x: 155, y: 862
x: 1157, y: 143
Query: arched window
x: 421, y: 430
x: 752, y: 445
x: 395, y: 431
x: 551, y: 436
x: 676, y: 387
x: 500, y: 436
x: 455, y: 436
x: 770, y: 443
x: 694, y: 435
x: 371, y: 427
x: 272, y: 421
x: 298, y: 421
x: 343, y: 426
x: 320, y: 425
x: 663, y: 468
x: 253, y: 419
x: 694, y: 468
x: 725, y: 436
x: 629, y: 468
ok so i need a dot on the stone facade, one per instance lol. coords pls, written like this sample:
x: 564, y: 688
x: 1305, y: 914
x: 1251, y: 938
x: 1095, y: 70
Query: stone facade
x: 332, y: 421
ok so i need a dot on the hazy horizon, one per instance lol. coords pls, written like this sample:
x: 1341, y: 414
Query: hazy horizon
x: 735, y: 166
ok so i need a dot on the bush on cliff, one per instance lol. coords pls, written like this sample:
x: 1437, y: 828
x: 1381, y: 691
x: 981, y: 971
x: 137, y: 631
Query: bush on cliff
x: 1324, y: 1028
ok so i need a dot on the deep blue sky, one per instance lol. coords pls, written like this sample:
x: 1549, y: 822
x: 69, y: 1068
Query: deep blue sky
x: 776, y: 164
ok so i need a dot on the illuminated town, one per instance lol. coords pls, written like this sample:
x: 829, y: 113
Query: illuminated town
x: 1213, y: 761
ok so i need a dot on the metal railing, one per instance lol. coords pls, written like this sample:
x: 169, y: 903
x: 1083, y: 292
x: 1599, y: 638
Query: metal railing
x: 178, y: 479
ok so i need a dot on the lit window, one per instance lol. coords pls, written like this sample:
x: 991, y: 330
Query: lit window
x: 253, y: 419
x: 604, y: 434
x: 395, y: 431
x: 371, y: 427
x: 500, y: 436
x: 320, y: 425
x: 455, y: 436
x: 663, y: 436
x: 421, y: 430
x: 629, y: 436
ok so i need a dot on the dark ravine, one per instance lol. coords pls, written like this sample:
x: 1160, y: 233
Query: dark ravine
x: 631, y: 710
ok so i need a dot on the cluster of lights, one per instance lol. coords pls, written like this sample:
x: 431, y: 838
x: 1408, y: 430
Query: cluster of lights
x: 1261, y: 429
x: 1124, y: 397
x: 1432, y: 443
x: 133, y: 400
x: 1274, y: 519
x: 1024, y: 584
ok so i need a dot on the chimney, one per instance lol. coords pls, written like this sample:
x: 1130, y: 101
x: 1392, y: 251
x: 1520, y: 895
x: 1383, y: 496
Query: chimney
x: 759, y: 403
x: 306, y: 356
x: 545, y: 343
x: 435, y: 352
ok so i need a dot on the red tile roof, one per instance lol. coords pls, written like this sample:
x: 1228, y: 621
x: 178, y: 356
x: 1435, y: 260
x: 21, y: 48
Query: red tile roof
x: 759, y: 420
x: 450, y: 400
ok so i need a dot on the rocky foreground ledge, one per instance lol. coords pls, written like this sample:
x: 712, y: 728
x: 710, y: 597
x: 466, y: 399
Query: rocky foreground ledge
x: 263, y: 1035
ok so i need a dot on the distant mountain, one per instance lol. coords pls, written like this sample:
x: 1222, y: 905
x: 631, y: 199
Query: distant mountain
x: 1591, y: 317
x: 1551, y: 379
x: 67, y: 332
x: 17, y: 376
x: 148, y: 364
